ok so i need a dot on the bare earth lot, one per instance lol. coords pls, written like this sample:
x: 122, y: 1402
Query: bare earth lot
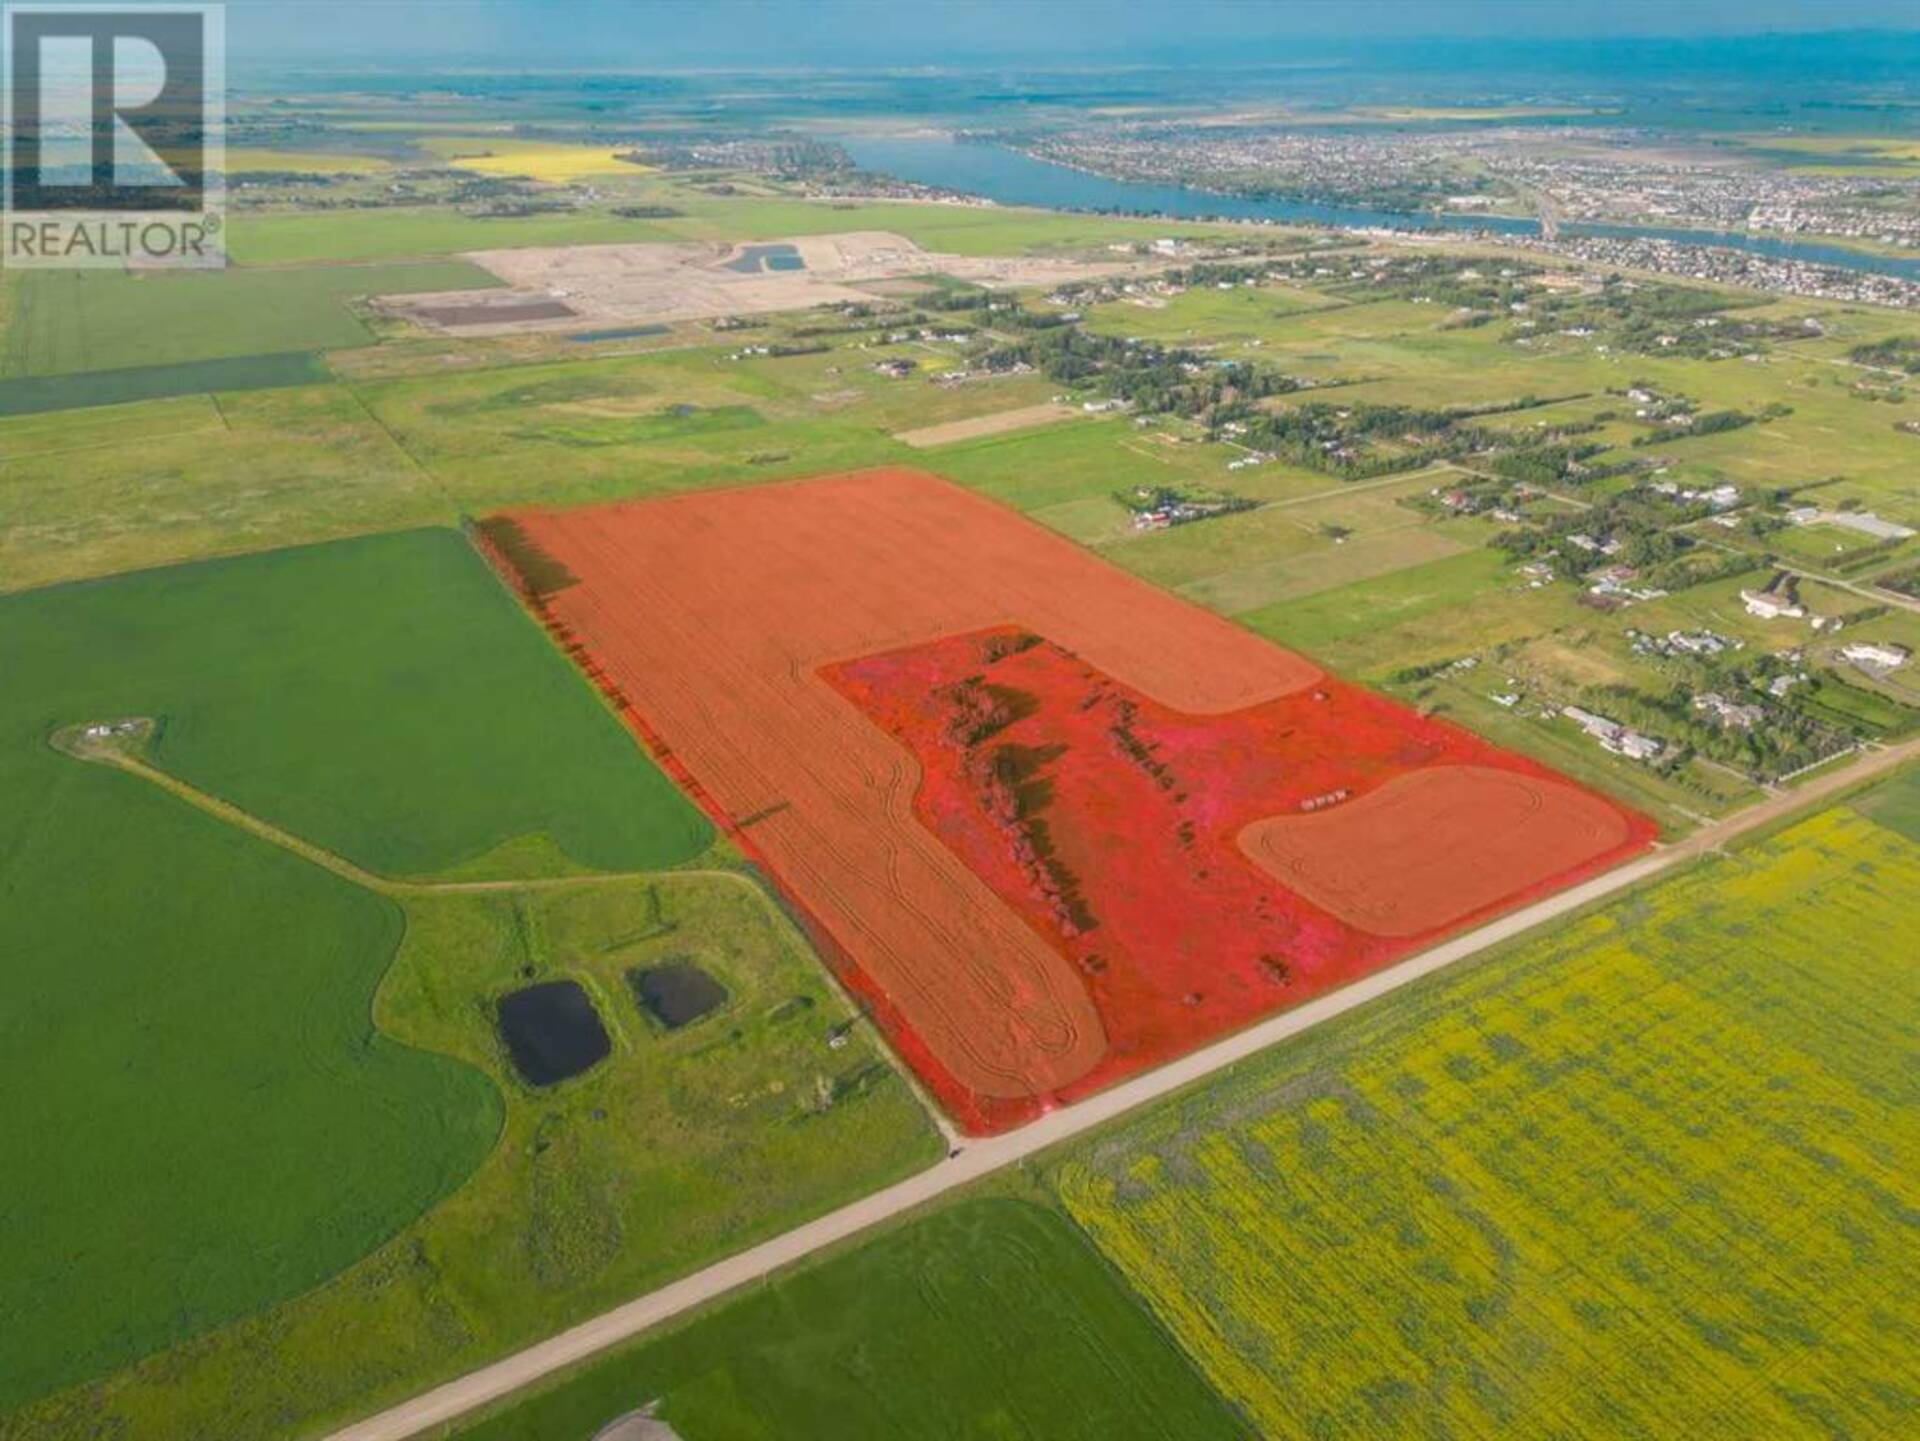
x: 648, y: 284
x: 999, y: 423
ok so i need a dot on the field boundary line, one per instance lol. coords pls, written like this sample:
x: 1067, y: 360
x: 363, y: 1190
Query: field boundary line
x: 1346, y: 488
x: 347, y: 870
x: 983, y: 1157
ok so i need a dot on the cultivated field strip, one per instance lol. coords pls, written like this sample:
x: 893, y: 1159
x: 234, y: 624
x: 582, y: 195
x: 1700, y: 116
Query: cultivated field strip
x: 1431, y: 845
x: 713, y: 615
x: 721, y: 623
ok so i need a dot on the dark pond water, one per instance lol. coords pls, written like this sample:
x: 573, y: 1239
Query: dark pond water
x: 675, y: 993
x: 625, y: 332
x: 552, y: 1031
x: 767, y: 257
x: 1011, y: 178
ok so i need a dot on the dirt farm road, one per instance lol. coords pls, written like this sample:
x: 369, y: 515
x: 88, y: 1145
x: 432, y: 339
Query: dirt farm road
x: 977, y: 1158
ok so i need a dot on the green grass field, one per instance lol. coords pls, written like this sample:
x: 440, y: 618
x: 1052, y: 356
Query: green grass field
x: 383, y: 698
x: 1212, y: 317
x: 1648, y: 1175
x: 989, y: 1318
x: 1296, y: 547
x: 387, y: 234
x: 194, y: 1003
x: 92, y: 492
x: 212, y: 1125
x: 65, y: 322
x: 306, y: 238
x: 203, y: 1116
x: 35, y: 394
x: 1896, y: 804
x: 1078, y: 461
x: 273, y: 468
x: 679, y: 1148
x: 1415, y: 614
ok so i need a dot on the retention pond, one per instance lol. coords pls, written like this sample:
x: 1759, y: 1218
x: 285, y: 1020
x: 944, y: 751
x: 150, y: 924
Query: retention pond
x: 552, y: 1031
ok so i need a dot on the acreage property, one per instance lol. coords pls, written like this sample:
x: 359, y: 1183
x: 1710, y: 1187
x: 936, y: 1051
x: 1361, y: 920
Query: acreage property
x: 1057, y: 825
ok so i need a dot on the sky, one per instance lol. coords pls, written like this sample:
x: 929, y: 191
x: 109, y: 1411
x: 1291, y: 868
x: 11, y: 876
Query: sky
x: 691, y: 34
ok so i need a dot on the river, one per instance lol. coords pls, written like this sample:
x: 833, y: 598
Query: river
x: 1010, y: 178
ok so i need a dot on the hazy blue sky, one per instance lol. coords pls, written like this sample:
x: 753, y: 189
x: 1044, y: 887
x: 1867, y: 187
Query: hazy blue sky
x: 641, y: 34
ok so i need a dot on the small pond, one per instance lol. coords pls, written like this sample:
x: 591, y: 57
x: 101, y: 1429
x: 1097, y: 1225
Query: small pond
x: 675, y: 993
x: 622, y: 332
x: 756, y: 258
x: 552, y: 1031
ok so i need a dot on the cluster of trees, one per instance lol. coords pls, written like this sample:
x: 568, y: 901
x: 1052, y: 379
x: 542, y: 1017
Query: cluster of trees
x: 1182, y: 503
x: 1898, y: 352
x: 1712, y: 423
x: 1150, y: 379
x: 1641, y: 522
x: 1341, y: 440
x: 1461, y: 283
x: 1689, y: 567
x: 1783, y: 742
x: 1548, y: 465
x: 1906, y: 582
x: 1658, y: 319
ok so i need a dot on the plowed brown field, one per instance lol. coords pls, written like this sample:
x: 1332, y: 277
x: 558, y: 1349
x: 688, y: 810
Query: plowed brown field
x: 713, y: 618
x: 1431, y: 846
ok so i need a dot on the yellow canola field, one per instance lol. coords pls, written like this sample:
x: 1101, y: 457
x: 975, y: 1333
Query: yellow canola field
x: 1658, y: 1175
x: 557, y: 163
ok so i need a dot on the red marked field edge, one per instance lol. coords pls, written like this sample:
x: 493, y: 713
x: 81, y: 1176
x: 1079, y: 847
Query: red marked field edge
x: 975, y: 1115
x: 676, y: 559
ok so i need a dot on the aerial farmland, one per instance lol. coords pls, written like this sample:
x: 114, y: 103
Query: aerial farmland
x: 659, y: 782
x: 1060, y: 840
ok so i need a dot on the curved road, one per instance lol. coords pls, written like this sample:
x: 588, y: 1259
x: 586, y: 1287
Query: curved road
x: 979, y: 1158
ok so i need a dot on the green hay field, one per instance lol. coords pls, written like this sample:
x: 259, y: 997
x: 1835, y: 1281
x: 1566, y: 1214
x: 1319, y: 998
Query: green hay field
x: 310, y: 237
x: 35, y: 394
x: 201, y: 1118
x: 1650, y: 1175
x: 201, y: 1115
x: 90, y: 492
x: 65, y: 322
x: 681, y: 1147
x: 990, y: 1318
x: 383, y: 698
x: 387, y: 234
x: 210, y: 1124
